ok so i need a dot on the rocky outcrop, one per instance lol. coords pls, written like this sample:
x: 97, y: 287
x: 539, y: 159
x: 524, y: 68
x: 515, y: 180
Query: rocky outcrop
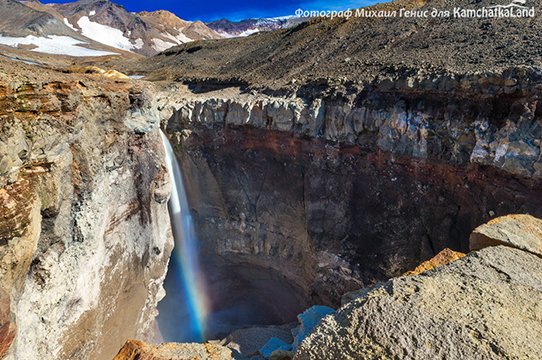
x: 137, y: 350
x: 483, y: 306
x: 84, y: 228
x: 496, y: 117
x: 519, y: 231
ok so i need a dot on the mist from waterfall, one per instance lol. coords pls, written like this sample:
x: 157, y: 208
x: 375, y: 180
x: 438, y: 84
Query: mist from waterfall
x: 184, y: 311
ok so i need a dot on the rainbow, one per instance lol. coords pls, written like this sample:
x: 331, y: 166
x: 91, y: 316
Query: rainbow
x: 186, y: 250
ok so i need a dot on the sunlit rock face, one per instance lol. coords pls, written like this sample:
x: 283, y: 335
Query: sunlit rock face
x: 84, y: 232
x: 338, y: 190
x: 493, y: 293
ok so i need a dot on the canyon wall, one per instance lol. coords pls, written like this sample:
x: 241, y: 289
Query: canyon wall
x: 337, y: 189
x: 84, y: 229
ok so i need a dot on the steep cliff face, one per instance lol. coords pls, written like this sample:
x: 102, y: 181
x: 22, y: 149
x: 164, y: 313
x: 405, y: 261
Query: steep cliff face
x: 84, y: 228
x: 338, y: 189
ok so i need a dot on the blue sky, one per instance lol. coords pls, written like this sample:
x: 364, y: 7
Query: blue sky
x: 208, y: 10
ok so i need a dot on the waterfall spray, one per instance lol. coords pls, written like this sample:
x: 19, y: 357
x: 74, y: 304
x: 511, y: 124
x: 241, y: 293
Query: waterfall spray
x: 186, y: 254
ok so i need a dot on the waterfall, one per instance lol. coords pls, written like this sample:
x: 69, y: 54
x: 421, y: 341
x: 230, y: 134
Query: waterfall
x: 190, y: 307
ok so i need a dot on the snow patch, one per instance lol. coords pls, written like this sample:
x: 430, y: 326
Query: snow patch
x: 248, y: 32
x: 104, y: 34
x: 54, y: 44
x: 226, y: 35
x: 179, y: 39
x: 161, y: 45
x: 68, y: 24
x: 245, y: 33
x: 138, y: 44
x: 92, y: 13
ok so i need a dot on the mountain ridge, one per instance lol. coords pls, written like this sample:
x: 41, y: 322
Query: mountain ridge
x: 360, y: 49
x: 95, y: 21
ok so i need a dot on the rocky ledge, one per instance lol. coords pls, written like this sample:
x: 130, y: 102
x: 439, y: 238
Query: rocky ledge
x: 488, y: 119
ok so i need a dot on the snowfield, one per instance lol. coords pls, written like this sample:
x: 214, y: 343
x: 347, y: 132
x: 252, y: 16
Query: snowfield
x: 54, y: 44
x: 105, y: 34
x: 242, y: 34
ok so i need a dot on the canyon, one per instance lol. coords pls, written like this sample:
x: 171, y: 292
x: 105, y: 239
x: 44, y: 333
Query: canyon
x: 307, y: 198
x: 315, y: 175
x: 299, y: 198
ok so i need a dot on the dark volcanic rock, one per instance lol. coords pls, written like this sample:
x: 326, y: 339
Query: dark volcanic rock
x: 484, y: 306
x: 338, y: 188
x: 332, y: 218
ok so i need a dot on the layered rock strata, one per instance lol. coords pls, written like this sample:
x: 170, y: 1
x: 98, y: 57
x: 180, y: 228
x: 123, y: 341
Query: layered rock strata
x: 339, y: 188
x: 84, y: 228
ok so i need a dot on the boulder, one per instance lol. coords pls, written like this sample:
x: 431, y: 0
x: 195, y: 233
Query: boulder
x: 519, y: 231
x: 486, y: 305
x: 138, y: 350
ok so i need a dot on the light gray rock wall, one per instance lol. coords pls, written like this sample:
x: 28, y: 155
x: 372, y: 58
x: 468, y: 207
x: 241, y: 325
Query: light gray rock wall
x: 85, y: 233
x: 487, y: 128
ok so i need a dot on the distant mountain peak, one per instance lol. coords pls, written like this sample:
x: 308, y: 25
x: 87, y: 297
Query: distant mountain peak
x: 103, y: 21
x: 228, y: 28
x: 146, y: 33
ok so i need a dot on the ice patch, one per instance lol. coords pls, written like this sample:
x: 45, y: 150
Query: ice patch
x: 54, y: 44
x: 104, y: 34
